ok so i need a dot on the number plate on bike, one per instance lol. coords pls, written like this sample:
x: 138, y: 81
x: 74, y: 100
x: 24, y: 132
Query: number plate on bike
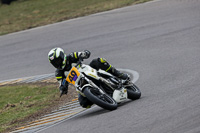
x: 73, y: 75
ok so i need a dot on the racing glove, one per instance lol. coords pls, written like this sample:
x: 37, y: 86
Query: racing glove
x: 84, y: 54
x: 63, y: 88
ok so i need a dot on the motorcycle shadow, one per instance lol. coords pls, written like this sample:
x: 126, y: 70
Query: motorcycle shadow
x: 96, y: 110
x: 124, y: 103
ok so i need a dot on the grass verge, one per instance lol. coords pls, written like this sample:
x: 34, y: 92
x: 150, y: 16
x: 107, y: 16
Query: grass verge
x: 26, y: 14
x: 20, y: 104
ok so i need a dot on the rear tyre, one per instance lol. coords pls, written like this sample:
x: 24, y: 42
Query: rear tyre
x: 102, y: 100
x: 133, y: 92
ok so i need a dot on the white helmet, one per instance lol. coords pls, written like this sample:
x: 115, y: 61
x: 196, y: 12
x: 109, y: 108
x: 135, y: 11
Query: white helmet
x: 57, y: 58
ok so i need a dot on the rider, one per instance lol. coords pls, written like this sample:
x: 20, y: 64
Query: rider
x: 63, y: 63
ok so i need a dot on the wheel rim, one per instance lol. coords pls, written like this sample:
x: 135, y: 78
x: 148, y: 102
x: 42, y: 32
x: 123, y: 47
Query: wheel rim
x: 132, y: 88
x: 101, y: 96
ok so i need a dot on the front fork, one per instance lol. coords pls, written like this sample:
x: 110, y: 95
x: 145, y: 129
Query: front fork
x: 88, y: 83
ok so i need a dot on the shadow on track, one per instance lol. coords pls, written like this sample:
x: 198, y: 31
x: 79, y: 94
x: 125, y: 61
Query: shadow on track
x: 96, y: 110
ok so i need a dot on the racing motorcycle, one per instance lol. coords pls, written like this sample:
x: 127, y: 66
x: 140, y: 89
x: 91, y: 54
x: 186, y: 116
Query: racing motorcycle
x: 100, y: 87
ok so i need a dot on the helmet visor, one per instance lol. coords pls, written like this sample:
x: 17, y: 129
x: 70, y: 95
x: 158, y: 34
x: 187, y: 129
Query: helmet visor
x: 57, y: 63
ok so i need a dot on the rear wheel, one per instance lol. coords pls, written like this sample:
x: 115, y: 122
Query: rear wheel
x: 100, y: 99
x: 133, y: 92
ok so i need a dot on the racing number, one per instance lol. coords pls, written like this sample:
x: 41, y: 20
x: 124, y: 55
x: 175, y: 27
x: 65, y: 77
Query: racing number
x: 72, y: 75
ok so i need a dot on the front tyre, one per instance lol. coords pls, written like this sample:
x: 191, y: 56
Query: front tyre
x: 133, y: 92
x: 102, y: 100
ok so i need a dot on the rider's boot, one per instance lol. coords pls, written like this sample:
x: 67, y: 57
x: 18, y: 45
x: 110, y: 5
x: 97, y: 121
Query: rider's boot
x: 119, y: 74
x: 101, y: 63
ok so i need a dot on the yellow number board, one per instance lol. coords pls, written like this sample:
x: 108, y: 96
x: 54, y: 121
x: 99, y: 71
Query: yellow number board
x: 73, y: 75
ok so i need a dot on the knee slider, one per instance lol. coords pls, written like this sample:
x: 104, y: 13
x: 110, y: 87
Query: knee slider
x: 85, y: 103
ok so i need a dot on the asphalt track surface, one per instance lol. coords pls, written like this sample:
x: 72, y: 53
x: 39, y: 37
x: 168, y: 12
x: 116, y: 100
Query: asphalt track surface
x: 160, y: 40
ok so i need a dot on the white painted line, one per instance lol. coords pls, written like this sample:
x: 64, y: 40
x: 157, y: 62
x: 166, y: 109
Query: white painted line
x: 74, y: 19
x: 26, y: 78
x: 73, y: 116
x: 135, y: 78
x: 134, y: 73
x: 70, y: 107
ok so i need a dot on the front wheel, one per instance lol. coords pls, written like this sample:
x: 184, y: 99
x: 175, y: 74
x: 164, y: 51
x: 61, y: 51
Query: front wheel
x: 133, y: 92
x: 102, y: 100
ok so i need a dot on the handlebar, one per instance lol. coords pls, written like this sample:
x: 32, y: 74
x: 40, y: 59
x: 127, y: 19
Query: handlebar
x: 79, y: 62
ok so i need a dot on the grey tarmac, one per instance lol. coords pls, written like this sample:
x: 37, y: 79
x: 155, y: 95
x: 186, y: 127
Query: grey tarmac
x: 159, y: 40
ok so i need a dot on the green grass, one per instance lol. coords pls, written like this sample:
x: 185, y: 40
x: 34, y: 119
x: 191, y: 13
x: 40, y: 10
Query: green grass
x: 26, y: 14
x: 21, y: 101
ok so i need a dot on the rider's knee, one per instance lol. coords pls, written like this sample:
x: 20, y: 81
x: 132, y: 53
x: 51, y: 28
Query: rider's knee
x: 99, y: 63
x: 84, y: 102
x: 93, y: 63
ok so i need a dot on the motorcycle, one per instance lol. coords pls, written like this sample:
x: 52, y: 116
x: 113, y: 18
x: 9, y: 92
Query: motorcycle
x: 100, y: 87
